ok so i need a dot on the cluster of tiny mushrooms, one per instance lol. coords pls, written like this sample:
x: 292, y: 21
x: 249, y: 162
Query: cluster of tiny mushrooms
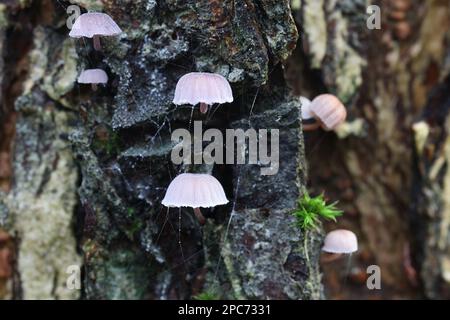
x: 197, y: 190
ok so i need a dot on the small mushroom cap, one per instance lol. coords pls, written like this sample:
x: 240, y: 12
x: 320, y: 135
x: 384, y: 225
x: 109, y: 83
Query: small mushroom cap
x: 195, y: 190
x: 306, y: 108
x: 340, y: 241
x: 94, y: 24
x: 93, y: 76
x: 202, y: 87
x: 329, y: 110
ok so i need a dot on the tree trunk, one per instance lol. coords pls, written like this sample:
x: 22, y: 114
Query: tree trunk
x: 84, y: 172
x: 371, y: 166
x: 431, y: 205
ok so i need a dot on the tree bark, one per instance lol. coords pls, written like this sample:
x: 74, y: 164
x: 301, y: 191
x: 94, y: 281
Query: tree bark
x: 82, y: 173
x: 385, y: 78
x: 89, y: 169
x: 431, y: 206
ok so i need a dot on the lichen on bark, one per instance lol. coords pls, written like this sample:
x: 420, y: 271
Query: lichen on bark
x: 111, y: 149
x: 432, y: 206
x: 385, y: 78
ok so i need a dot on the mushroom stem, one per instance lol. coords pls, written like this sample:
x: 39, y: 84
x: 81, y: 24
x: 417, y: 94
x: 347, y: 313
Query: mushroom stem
x: 199, y: 216
x: 311, y: 126
x: 330, y: 257
x: 94, y: 86
x: 97, y: 43
x: 203, y: 107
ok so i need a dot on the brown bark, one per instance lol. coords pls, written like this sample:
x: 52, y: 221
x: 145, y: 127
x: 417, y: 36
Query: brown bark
x: 368, y: 164
x: 431, y: 206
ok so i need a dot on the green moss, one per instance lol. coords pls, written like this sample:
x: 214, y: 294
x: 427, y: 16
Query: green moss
x: 207, y: 295
x: 310, y: 210
x: 109, y: 146
x: 135, y: 227
x: 112, y: 145
x: 130, y: 211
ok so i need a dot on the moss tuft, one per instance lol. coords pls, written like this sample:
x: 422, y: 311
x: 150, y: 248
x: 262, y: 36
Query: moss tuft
x: 310, y: 210
x: 207, y: 295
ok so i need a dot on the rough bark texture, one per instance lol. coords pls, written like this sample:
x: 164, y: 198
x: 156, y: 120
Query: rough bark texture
x: 385, y: 78
x: 431, y: 208
x: 82, y: 173
x: 90, y: 168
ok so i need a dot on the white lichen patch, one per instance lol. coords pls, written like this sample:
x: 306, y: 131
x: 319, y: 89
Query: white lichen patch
x: 296, y: 4
x: 445, y: 265
x: 421, y: 131
x: 347, y: 62
x: 236, y: 75
x: 355, y: 128
x: 315, y: 27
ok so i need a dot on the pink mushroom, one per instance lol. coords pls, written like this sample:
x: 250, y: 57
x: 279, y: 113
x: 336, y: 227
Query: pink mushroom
x: 309, y: 122
x: 195, y: 190
x: 340, y: 241
x: 204, y: 88
x: 93, y: 25
x: 329, y: 111
x: 93, y: 77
